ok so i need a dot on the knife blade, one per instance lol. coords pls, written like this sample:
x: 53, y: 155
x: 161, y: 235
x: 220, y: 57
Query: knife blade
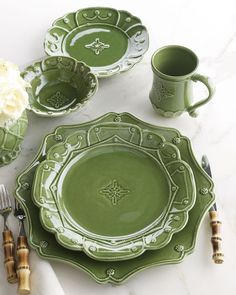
x: 218, y: 256
x: 206, y: 166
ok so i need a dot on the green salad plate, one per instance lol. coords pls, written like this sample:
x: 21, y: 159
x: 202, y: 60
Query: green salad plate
x: 181, y: 243
x: 131, y: 177
x: 59, y: 85
x: 110, y: 41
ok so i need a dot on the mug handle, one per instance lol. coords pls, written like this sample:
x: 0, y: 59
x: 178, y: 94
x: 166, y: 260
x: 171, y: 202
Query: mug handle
x: 211, y: 89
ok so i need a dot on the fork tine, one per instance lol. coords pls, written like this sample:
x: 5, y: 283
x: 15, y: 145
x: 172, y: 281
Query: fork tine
x: 18, y: 205
x: 0, y: 202
x: 3, y: 198
x: 15, y: 204
x: 7, y: 198
x: 5, y: 201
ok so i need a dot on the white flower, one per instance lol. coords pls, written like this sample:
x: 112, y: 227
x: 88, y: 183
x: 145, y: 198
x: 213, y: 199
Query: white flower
x: 13, y: 95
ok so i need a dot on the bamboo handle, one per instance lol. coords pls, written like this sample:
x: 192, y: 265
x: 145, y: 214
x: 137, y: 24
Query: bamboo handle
x: 9, y: 260
x: 23, y: 269
x: 216, y: 239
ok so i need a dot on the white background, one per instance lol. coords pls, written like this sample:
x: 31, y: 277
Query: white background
x: 208, y: 28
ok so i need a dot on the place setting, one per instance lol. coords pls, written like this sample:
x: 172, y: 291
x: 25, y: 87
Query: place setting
x: 114, y: 195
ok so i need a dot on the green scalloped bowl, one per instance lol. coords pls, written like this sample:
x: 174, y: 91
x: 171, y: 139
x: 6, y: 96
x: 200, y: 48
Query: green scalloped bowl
x: 59, y: 85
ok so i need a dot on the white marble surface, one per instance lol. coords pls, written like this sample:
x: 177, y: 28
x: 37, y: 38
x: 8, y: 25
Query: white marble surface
x: 208, y: 27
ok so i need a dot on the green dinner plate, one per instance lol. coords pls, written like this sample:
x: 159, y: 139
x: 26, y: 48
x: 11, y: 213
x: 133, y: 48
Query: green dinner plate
x: 131, y: 177
x: 181, y: 244
x: 110, y: 41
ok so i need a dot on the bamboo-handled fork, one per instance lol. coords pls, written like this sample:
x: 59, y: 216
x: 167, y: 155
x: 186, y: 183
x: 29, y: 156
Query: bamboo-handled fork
x: 22, y: 251
x: 8, y: 241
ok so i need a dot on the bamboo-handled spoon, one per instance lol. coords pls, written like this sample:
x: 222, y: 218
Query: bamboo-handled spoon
x: 216, y: 239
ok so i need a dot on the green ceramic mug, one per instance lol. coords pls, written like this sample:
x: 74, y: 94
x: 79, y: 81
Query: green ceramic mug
x: 174, y: 68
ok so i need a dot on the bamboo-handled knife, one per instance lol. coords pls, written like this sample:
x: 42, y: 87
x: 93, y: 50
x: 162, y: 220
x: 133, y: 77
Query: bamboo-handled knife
x: 216, y: 239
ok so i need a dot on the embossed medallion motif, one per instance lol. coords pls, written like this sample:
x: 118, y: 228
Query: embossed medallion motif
x: 114, y: 192
x: 163, y: 92
x: 97, y: 46
x: 57, y: 100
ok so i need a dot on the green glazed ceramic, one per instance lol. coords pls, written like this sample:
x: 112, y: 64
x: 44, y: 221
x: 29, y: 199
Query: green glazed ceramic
x: 10, y: 139
x: 181, y: 244
x: 127, y: 173
x: 110, y: 41
x: 59, y: 85
x: 174, y: 70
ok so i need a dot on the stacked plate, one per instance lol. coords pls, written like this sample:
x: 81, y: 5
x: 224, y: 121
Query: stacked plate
x: 91, y: 43
x: 114, y: 196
